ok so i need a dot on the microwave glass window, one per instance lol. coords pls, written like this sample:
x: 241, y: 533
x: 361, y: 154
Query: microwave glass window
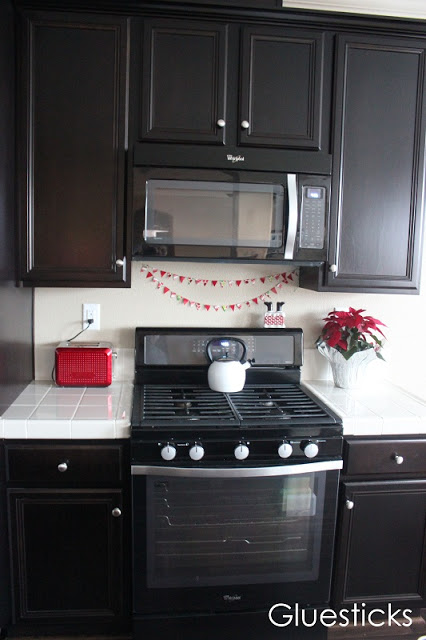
x: 189, y: 212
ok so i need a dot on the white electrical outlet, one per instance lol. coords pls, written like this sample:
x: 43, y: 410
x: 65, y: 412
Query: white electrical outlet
x: 92, y: 312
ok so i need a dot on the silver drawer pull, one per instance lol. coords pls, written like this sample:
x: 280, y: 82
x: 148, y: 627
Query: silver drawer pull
x: 398, y: 459
x: 349, y: 504
x: 62, y: 467
x: 116, y: 512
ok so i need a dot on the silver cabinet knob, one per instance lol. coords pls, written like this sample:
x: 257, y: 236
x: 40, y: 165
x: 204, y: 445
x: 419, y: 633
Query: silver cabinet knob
x: 333, y: 268
x: 119, y: 263
x: 116, y: 512
x: 398, y: 459
x: 221, y: 123
x: 245, y: 124
x: 62, y: 467
x: 349, y: 504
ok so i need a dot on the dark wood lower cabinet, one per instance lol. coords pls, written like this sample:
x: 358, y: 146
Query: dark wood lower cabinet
x: 381, y: 535
x: 66, y: 554
x: 69, y: 532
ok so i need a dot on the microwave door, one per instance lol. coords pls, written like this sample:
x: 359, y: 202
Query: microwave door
x: 255, y: 223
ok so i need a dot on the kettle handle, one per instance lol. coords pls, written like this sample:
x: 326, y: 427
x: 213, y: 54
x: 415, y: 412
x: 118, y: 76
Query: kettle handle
x: 241, y: 342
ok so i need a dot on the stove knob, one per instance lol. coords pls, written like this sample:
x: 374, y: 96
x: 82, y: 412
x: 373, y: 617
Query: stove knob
x: 241, y: 451
x: 168, y: 452
x: 196, y: 452
x: 310, y: 449
x: 285, y: 450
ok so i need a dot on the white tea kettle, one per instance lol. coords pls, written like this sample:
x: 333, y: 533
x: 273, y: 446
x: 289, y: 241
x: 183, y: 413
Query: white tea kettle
x: 226, y: 374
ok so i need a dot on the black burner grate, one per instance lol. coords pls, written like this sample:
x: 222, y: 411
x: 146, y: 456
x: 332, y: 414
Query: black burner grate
x: 173, y: 405
x: 162, y: 405
x: 276, y: 404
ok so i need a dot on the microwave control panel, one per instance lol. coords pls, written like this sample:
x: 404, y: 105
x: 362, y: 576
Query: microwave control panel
x: 312, y: 217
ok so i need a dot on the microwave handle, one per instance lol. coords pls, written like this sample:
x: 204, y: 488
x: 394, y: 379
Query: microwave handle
x: 292, y: 216
x: 237, y: 472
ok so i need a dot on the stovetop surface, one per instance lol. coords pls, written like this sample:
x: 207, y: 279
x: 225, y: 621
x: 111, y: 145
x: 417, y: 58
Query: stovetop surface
x: 256, y: 406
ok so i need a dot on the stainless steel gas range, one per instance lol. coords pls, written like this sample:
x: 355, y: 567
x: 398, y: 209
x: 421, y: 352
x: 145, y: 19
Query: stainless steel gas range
x: 234, y: 494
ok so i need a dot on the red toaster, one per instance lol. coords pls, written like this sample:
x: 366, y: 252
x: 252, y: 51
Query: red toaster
x: 83, y: 364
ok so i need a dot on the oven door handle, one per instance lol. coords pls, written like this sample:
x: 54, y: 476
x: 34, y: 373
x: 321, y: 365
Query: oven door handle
x: 236, y: 472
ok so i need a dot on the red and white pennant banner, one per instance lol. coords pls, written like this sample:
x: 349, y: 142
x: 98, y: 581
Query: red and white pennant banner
x: 156, y: 276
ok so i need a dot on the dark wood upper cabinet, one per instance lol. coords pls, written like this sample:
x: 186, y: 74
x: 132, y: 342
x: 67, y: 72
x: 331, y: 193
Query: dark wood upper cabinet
x: 183, y: 81
x: 72, y: 149
x: 282, y: 88
x: 232, y: 84
x: 378, y: 158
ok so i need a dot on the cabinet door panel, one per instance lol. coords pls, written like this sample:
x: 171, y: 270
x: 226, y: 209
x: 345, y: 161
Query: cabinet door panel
x: 282, y: 88
x: 66, y: 554
x: 73, y: 201
x: 381, y: 553
x: 379, y: 167
x: 183, y: 81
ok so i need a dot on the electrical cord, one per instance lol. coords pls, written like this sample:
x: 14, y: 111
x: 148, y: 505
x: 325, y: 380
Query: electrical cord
x: 89, y: 322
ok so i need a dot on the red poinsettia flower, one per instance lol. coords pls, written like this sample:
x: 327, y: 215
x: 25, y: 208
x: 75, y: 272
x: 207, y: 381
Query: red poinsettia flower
x: 351, y: 331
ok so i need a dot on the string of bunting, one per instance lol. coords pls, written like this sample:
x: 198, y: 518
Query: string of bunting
x: 157, y: 277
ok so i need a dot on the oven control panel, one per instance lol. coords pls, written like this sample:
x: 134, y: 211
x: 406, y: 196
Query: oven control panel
x: 205, y: 451
x: 273, y: 347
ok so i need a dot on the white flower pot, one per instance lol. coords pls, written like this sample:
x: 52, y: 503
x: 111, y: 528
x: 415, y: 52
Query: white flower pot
x: 347, y: 374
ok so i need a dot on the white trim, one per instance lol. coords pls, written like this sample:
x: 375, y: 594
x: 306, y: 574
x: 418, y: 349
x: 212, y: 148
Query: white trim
x: 407, y: 9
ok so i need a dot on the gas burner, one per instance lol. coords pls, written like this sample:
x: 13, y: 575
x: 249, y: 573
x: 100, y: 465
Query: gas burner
x: 184, y: 405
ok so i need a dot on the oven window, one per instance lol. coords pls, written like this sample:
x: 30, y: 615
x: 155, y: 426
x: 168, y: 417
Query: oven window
x: 206, y: 532
x: 224, y: 214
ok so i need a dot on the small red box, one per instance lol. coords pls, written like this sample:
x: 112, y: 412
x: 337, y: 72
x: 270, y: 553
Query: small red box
x: 83, y: 364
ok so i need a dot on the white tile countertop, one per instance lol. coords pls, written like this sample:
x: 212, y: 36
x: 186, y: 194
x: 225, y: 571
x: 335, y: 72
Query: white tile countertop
x: 44, y: 410
x: 380, y: 409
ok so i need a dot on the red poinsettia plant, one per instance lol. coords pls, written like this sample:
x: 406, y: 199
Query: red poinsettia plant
x: 350, y: 332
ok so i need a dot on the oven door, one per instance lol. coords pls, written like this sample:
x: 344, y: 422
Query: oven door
x: 232, y: 538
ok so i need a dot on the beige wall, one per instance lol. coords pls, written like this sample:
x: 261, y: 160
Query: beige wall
x: 58, y: 315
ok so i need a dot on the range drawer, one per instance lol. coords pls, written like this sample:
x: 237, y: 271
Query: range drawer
x: 387, y: 456
x: 64, y: 465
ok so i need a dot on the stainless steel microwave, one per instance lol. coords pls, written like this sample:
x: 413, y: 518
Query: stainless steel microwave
x: 230, y: 215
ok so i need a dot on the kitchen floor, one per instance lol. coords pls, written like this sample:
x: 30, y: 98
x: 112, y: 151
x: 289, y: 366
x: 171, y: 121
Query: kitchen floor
x: 416, y: 631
